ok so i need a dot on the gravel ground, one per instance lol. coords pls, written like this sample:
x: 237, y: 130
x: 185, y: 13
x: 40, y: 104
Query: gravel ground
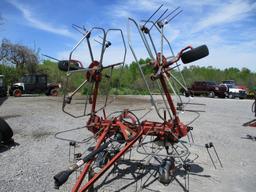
x: 38, y: 155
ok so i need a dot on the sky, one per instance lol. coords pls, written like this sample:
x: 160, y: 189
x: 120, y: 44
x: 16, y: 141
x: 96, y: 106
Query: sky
x: 228, y: 28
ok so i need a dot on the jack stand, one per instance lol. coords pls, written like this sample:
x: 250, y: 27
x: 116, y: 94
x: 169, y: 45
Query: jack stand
x: 187, y: 168
x: 76, y: 156
x: 208, y: 146
x: 90, y: 175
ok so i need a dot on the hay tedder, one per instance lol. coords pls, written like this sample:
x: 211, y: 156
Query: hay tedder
x: 119, y: 132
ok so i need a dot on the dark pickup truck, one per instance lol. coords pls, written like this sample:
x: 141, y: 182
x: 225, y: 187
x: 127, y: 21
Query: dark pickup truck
x: 207, y: 88
x: 34, y: 83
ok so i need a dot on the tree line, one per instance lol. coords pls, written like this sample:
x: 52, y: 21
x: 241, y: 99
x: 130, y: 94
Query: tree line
x: 17, y: 60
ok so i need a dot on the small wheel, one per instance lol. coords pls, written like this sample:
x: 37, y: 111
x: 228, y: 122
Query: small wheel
x: 17, y: 93
x: 211, y: 94
x: 167, y: 171
x: 230, y: 96
x: 54, y: 92
x: 5, y: 131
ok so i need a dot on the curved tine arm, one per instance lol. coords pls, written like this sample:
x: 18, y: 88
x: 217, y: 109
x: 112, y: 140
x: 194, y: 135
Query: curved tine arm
x: 141, y: 72
x: 122, y: 35
x: 116, y: 64
x: 145, y: 42
x: 103, y: 42
x: 83, y: 70
x: 78, y: 28
x: 165, y: 38
x: 78, y: 43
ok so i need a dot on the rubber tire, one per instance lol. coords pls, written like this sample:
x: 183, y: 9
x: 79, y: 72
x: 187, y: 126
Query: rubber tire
x: 211, y: 94
x: 5, y: 130
x: 17, y: 93
x: 194, y: 54
x: 230, y: 96
x: 54, y: 92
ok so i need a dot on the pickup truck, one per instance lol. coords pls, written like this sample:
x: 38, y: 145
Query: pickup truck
x: 235, y: 90
x: 207, y: 88
x: 33, y: 83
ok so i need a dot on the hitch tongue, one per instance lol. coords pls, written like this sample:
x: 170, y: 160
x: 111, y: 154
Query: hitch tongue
x: 61, y: 177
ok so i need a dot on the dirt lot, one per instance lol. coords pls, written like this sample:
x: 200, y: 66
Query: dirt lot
x: 31, y: 165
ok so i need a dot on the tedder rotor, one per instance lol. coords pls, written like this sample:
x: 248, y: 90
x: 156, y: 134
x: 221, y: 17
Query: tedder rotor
x: 116, y: 133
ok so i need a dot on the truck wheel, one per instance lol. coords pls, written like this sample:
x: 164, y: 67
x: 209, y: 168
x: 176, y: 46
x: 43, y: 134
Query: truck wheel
x: 5, y: 131
x: 17, y: 93
x: 54, y: 92
x: 230, y: 96
x: 211, y: 94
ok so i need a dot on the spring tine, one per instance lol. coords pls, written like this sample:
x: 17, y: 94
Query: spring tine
x: 100, y: 37
x: 69, y: 153
x: 189, y: 140
x: 153, y: 15
x: 158, y: 19
x: 217, y: 155
x: 188, y: 181
x: 211, y: 158
x: 108, y: 43
x: 174, y: 16
x: 97, y: 41
x: 77, y: 28
x: 51, y: 57
x: 185, y: 182
x: 192, y: 137
x: 171, y: 13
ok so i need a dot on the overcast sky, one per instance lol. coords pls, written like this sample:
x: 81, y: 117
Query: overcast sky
x: 227, y: 27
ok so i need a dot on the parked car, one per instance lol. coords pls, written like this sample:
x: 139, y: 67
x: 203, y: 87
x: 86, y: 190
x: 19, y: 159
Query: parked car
x: 207, y: 88
x: 3, y: 87
x: 235, y: 90
x: 34, y: 83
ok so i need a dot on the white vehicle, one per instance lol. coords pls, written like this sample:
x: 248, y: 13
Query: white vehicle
x: 234, y: 91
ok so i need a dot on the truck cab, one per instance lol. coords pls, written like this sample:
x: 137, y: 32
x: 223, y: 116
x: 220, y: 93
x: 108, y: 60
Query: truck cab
x: 234, y: 90
x: 33, y: 84
x: 208, y: 88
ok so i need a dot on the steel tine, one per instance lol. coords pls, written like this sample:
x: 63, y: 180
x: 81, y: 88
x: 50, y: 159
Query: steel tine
x: 174, y: 16
x: 153, y: 14
x: 158, y: 19
x: 192, y: 137
x: 108, y: 43
x: 216, y: 154
x: 76, y: 27
x: 207, y: 148
x: 189, y: 140
x: 100, y: 37
x: 51, y: 57
x: 97, y: 41
x: 171, y: 13
x: 188, y: 181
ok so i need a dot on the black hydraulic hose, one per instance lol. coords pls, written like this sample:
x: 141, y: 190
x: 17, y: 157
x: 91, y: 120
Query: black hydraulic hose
x: 61, y: 177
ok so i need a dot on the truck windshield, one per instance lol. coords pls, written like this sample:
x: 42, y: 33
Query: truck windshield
x: 212, y: 83
x: 229, y: 82
x: 230, y: 85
